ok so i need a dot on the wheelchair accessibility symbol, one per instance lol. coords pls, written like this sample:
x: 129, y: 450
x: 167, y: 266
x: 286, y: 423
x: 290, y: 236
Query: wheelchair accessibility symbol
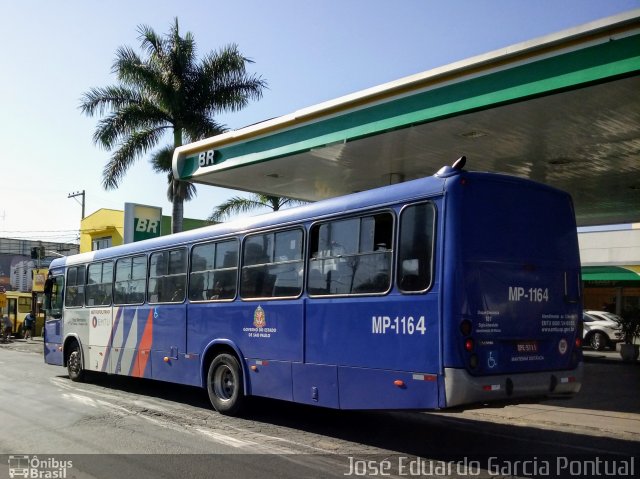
x: 492, y: 362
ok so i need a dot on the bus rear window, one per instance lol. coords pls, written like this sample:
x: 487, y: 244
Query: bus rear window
x: 511, y: 221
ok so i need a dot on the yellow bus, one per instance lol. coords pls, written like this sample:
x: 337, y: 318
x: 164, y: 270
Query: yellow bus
x: 17, y: 306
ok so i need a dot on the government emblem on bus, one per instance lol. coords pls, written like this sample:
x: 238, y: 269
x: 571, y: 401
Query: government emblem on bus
x: 259, y: 318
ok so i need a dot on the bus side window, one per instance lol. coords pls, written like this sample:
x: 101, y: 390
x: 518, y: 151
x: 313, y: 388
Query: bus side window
x: 214, y: 271
x: 272, y: 265
x: 99, y: 284
x: 130, y: 278
x: 286, y: 267
x: 415, y: 250
x: 351, y: 256
x: 167, y: 276
x: 74, y: 295
x: 253, y: 270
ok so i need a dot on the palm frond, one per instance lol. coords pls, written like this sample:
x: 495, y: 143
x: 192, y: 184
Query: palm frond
x: 161, y: 159
x: 200, y: 126
x: 180, y: 189
x: 99, y: 100
x: 126, y: 57
x: 290, y: 202
x: 235, y: 93
x: 239, y: 205
x: 236, y: 205
x: 223, y: 84
x: 161, y: 162
x: 126, y: 121
x: 131, y: 70
x: 134, y: 146
x: 150, y: 41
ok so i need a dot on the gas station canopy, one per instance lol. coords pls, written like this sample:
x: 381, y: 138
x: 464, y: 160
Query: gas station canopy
x: 563, y: 109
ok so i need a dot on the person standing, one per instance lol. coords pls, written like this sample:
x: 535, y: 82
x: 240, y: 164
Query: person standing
x: 28, y: 325
x: 6, y: 329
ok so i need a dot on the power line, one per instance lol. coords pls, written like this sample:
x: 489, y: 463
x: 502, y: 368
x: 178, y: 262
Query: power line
x: 36, y: 231
x: 69, y: 232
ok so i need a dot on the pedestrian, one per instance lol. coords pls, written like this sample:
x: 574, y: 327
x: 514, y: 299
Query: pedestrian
x: 7, y: 329
x: 28, y: 325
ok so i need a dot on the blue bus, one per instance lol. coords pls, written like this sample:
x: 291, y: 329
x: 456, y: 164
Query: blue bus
x: 460, y: 288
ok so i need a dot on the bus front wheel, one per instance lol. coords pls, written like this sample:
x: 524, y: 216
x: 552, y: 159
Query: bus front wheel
x: 224, y: 385
x: 74, y: 363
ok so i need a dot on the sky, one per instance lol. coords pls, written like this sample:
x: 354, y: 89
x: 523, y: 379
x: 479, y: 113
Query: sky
x: 307, y: 51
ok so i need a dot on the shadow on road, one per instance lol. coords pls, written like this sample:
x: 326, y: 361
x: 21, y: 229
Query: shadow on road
x: 608, y: 385
x: 612, y: 386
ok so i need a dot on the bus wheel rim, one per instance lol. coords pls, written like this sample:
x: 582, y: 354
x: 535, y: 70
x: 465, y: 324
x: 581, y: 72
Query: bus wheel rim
x: 224, y: 383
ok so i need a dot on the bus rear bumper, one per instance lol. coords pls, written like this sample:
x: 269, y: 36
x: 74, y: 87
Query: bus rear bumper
x: 462, y: 388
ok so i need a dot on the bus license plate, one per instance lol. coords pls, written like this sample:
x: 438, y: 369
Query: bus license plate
x: 527, y: 346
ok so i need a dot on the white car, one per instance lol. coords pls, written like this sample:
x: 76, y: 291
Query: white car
x: 601, y: 330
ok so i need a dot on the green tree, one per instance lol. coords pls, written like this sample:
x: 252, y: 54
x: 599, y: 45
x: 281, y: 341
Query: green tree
x: 240, y: 205
x: 166, y: 90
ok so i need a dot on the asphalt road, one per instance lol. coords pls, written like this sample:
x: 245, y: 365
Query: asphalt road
x: 122, y: 427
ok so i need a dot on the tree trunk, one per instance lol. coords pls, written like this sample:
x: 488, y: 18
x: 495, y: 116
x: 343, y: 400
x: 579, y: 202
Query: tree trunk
x: 177, y: 210
x: 177, y: 214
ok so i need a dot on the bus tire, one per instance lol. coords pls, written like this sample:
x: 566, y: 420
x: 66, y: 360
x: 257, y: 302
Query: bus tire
x: 74, y: 363
x: 225, y: 386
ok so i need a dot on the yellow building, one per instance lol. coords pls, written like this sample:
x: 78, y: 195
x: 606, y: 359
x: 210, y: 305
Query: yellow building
x: 105, y: 228
x: 102, y: 229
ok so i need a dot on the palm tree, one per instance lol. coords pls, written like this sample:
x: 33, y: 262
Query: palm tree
x: 239, y: 205
x: 166, y: 90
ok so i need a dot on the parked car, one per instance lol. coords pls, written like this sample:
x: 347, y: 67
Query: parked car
x: 601, y: 330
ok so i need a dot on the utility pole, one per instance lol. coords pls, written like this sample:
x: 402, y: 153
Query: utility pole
x: 77, y: 193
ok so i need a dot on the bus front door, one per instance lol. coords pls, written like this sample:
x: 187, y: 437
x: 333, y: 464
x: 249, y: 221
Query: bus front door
x: 53, y: 323
x: 12, y: 312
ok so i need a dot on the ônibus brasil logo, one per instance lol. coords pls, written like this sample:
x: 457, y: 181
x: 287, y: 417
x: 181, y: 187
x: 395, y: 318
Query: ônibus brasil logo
x: 38, y: 468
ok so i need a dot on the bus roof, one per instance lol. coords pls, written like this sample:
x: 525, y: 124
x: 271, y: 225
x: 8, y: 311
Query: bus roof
x: 378, y: 197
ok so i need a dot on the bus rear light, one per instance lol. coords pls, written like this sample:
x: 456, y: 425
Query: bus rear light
x: 491, y: 387
x: 578, y: 343
x: 465, y: 327
x: 424, y: 377
x: 473, y: 361
x: 468, y: 345
x: 399, y: 383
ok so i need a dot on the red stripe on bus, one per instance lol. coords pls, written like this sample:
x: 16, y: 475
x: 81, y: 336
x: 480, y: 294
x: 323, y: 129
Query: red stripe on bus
x: 145, y: 344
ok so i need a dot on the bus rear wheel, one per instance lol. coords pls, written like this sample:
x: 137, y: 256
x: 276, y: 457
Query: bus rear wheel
x: 225, y: 386
x: 74, y: 363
